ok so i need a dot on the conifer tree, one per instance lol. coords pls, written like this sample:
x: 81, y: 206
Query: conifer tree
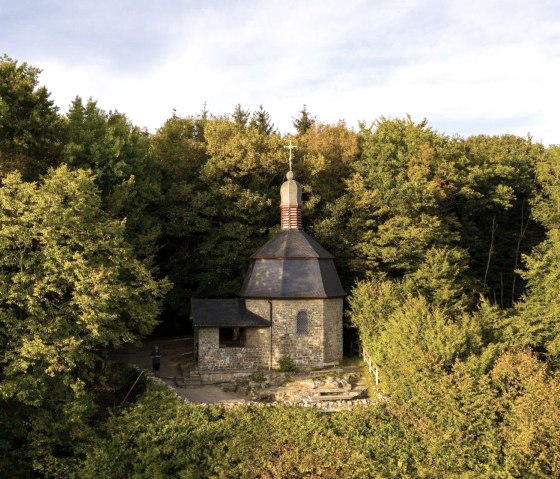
x: 30, y: 128
x: 260, y: 120
x: 303, y: 122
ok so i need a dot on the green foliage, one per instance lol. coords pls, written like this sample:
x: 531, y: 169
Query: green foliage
x: 286, y: 364
x: 303, y: 122
x: 536, y: 323
x: 432, y: 232
x: 258, y: 377
x: 260, y: 121
x: 396, y: 205
x: 241, y: 116
x: 530, y: 404
x: 70, y: 285
x: 496, y: 187
x: 547, y: 201
x: 443, y: 280
x: 125, y: 170
x: 409, y: 339
x: 467, y: 424
x: 218, y: 203
x: 163, y: 437
x: 416, y: 328
x: 30, y: 128
x: 413, y: 189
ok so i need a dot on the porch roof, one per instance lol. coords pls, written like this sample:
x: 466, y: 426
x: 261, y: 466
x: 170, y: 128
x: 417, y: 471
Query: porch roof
x: 224, y: 313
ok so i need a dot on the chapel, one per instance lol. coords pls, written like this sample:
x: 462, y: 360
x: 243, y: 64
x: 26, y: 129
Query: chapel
x: 290, y: 305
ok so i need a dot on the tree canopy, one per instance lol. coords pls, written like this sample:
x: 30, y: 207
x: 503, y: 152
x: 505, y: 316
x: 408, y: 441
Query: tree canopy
x: 449, y: 248
x: 70, y: 287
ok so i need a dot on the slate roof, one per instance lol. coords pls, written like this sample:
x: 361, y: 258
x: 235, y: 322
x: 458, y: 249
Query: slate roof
x: 292, y: 265
x: 292, y: 244
x: 292, y: 278
x: 224, y: 313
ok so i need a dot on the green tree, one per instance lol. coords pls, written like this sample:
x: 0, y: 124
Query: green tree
x: 241, y: 116
x: 536, y: 322
x: 397, y: 203
x: 119, y: 155
x: 303, y: 122
x: 328, y: 153
x: 495, y: 187
x: 411, y: 341
x: 30, y: 127
x: 452, y: 426
x: 218, y: 203
x: 180, y: 155
x: 260, y: 120
x: 529, y: 402
x: 70, y: 287
x: 237, y: 202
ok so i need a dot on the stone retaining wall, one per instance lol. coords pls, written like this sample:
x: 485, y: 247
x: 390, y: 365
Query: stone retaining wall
x: 323, y: 406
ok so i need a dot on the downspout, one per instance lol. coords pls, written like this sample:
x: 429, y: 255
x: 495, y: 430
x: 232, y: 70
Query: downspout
x: 270, y: 318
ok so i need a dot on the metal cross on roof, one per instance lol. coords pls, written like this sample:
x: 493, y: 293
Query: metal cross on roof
x: 290, y: 147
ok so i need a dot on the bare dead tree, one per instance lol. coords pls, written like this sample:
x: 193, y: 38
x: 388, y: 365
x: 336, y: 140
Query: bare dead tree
x: 491, y: 250
x: 501, y: 290
x: 522, y: 231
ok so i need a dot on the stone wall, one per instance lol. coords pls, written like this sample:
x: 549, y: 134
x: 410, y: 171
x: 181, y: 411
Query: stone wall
x: 321, y: 345
x: 332, y: 312
x: 306, y: 350
x: 211, y: 356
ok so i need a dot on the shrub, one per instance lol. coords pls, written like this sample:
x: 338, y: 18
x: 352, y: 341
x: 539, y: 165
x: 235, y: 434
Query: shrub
x: 286, y: 365
x: 258, y: 377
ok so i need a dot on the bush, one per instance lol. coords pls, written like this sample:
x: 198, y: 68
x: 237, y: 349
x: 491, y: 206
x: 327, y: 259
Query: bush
x: 286, y: 364
x: 258, y: 377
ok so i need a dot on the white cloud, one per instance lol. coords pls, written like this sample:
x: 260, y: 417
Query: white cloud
x: 469, y: 67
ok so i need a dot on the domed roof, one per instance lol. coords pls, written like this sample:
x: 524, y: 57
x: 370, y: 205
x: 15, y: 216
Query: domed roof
x: 292, y: 265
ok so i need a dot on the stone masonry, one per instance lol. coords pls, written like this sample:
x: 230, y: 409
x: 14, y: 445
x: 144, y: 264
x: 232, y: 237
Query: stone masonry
x: 321, y: 345
x: 212, y: 356
x: 323, y: 342
x: 332, y: 339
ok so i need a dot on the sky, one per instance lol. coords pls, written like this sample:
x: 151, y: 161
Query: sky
x: 468, y: 67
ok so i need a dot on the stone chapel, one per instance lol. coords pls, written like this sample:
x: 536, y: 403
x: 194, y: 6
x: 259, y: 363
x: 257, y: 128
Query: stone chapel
x: 290, y: 304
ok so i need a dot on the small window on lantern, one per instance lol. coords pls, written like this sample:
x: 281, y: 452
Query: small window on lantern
x: 302, y: 323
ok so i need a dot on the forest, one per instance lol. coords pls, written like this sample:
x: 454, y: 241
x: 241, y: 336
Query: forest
x: 448, y: 247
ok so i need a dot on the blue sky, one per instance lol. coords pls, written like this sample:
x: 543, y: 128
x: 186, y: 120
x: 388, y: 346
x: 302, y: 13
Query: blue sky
x: 469, y: 67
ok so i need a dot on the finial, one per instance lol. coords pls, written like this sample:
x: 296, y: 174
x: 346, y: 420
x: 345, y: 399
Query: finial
x: 290, y: 147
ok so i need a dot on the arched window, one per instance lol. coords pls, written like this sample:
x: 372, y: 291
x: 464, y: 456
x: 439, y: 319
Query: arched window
x: 302, y: 323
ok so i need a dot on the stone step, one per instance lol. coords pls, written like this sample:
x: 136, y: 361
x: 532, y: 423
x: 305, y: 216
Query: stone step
x: 338, y: 397
x: 326, y: 371
x: 333, y: 390
x: 186, y: 375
